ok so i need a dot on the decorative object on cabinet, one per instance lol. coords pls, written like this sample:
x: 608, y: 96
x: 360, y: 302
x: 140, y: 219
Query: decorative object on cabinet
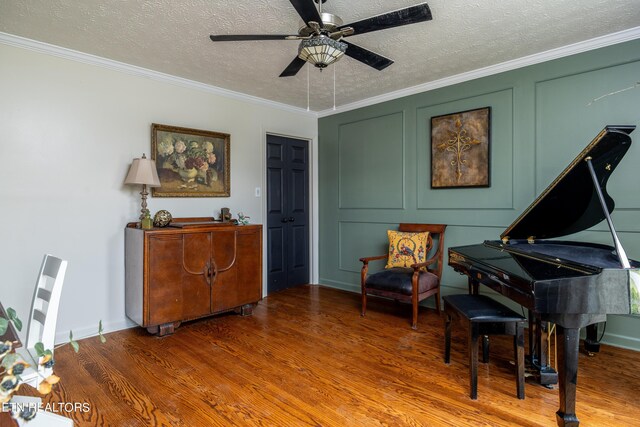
x: 225, y: 215
x: 243, y: 219
x: 191, y: 162
x: 162, y: 218
x: 193, y: 268
x: 143, y: 171
x: 460, y: 149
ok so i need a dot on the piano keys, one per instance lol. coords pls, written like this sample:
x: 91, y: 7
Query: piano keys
x: 571, y: 284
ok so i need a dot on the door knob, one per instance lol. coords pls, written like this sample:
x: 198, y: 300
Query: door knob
x: 284, y: 220
x: 291, y: 219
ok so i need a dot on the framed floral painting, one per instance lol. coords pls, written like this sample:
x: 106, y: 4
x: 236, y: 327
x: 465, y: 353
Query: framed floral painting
x: 190, y: 162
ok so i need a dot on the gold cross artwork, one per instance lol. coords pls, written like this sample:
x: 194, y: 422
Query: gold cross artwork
x: 458, y: 143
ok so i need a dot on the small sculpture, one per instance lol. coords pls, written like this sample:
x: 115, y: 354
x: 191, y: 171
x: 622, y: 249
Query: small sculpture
x: 242, y: 219
x: 225, y: 215
x: 162, y: 218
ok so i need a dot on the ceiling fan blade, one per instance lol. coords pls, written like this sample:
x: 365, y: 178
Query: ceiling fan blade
x: 307, y: 10
x: 365, y: 56
x: 409, y: 15
x: 293, y: 68
x: 245, y: 37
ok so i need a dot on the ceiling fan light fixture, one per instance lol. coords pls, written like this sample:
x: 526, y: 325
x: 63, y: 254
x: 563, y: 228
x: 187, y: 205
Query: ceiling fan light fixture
x: 321, y: 51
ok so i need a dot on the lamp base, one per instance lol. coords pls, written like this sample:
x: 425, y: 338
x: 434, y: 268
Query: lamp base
x: 146, y: 223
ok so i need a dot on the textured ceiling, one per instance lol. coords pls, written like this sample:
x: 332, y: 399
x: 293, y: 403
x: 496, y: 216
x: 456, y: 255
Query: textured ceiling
x: 172, y: 37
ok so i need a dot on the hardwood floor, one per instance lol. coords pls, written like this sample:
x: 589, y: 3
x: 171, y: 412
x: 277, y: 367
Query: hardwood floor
x: 307, y: 358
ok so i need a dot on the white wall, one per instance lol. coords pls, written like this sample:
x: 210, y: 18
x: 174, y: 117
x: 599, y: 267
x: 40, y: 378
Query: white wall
x: 68, y: 132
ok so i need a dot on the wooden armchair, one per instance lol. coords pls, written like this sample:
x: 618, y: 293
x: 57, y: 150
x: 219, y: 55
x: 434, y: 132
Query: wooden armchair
x: 411, y: 284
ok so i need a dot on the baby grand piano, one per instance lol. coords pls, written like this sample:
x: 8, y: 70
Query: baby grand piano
x: 571, y: 284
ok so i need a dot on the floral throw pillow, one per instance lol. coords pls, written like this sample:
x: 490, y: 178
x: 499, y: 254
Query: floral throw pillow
x: 407, y: 248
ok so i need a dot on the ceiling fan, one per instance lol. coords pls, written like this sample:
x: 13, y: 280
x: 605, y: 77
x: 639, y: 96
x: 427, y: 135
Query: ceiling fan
x: 322, y: 34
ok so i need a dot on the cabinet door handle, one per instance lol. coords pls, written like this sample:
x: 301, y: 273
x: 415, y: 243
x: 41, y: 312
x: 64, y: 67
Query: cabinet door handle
x: 284, y: 220
x: 207, y: 273
x: 291, y: 219
x: 214, y: 273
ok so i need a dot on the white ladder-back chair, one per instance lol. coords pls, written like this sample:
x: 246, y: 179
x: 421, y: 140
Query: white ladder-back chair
x: 43, y: 318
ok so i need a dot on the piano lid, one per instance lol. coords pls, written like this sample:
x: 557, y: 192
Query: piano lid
x: 570, y: 204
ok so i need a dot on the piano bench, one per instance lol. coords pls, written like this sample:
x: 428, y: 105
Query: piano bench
x: 484, y: 317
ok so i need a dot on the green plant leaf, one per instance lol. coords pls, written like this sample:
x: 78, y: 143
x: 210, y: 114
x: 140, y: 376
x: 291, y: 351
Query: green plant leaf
x: 100, y: 330
x: 4, y: 324
x: 39, y: 348
x: 9, y: 360
x: 74, y: 343
x: 13, y: 316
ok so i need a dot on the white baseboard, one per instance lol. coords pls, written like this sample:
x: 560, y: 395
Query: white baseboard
x: 621, y: 341
x: 92, y: 330
x: 614, y: 340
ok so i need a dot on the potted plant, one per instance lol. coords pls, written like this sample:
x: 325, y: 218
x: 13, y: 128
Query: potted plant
x: 12, y: 366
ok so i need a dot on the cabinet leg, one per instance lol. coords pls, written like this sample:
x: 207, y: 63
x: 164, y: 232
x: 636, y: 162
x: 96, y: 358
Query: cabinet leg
x: 246, y: 310
x: 164, y: 329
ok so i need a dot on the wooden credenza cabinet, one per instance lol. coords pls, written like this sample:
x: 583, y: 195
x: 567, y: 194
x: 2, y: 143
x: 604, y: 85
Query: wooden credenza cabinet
x: 193, y: 268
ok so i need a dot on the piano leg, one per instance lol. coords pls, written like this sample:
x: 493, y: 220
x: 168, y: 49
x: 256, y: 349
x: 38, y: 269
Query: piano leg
x: 473, y: 286
x: 538, y: 349
x: 568, y: 349
x: 591, y: 344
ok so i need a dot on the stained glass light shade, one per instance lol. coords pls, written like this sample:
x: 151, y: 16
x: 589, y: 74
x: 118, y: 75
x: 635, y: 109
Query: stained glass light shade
x: 321, y: 51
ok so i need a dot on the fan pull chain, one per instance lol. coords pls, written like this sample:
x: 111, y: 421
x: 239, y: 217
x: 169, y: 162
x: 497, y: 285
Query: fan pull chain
x: 334, y: 87
x: 308, y: 87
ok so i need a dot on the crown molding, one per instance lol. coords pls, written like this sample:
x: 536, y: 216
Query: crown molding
x: 561, y: 52
x: 572, y: 49
x: 49, y: 49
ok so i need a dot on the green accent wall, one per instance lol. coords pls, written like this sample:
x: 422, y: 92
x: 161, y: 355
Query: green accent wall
x: 374, y: 163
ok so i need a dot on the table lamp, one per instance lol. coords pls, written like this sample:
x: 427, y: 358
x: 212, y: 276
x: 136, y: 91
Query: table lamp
x: 143, y: 171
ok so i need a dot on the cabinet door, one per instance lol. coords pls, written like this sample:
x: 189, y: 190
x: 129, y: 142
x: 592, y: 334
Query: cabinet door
x: 178, y: 277
x: 164, y: 295
x: 196, y: 281
x: 224, y: 256
x: 241, y: 282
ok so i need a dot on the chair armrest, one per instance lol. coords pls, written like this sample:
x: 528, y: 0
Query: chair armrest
x: 426, y: 263
x: 373, y: 258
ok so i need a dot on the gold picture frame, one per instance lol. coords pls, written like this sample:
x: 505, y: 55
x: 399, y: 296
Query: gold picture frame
x: 191, y: 162
x: 460, y: 149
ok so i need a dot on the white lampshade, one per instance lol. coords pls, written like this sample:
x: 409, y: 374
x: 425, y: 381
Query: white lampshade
x: 143, y: 171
